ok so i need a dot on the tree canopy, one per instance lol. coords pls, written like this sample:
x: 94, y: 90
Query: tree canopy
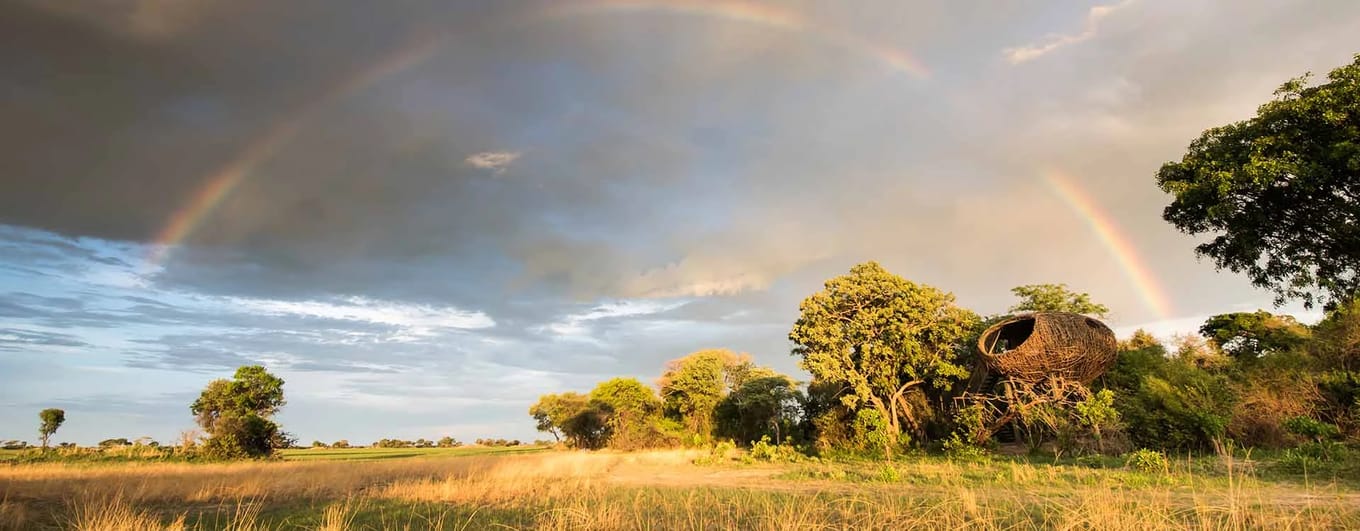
x: 882, y: 336
x: 1249, y: 335
x: 52, y: 418
x: 552, y: 411
x: 1055, y: 298
x: 236, y: 413
x: 1280, y: 192
x: 693, y: 385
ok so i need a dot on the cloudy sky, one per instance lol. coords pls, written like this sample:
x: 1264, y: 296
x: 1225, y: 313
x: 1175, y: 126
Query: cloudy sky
x: 423, y: 214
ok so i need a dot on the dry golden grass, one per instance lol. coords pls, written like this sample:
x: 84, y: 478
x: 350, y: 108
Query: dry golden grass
x: 656, y: 490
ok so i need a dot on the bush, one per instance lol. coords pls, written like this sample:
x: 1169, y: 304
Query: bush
x: 1168, y: 404
x: 1311, y: 429
x: 961, y: 448
x: 763, y: 450
x: 1147, y: 461
x: 870, y: 431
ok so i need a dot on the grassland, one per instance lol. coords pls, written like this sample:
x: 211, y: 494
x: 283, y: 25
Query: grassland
x: 370, y: 454
x: 662, y: 490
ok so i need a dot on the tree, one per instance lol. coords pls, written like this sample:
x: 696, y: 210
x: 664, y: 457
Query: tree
x: 236, y: 414
x: 1140, y: 340
x: 1055, y: 298
x: 693, y: 385
x: 882, y: 336
x: 1247, y: 336
x: 631, y: 413
x: 52, y: 418
x: 552, y: 411
x: 1280, y: 192
x: 767, y: 406
x: 449, y: 442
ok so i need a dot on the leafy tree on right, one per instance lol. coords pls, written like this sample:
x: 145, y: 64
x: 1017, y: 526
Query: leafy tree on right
x: 1280, y: 192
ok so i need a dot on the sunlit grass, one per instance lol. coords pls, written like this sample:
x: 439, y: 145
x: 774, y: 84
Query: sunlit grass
x: 658, y: 490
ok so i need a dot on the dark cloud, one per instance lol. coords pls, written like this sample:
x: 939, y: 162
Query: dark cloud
x: 19, y: 340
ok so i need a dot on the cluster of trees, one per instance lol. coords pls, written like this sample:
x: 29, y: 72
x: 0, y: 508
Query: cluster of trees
x: 498, y: 442
x: 445, y: 442
x: 705, y: 395
x: 890, y: 359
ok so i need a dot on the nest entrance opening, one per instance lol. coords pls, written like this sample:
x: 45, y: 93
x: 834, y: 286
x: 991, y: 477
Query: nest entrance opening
x: 1010, y: 336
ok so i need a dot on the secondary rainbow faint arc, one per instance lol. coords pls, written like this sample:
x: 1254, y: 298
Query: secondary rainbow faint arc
x: 1120, y: 247
x: 758, y: 14
x: 223, y: 182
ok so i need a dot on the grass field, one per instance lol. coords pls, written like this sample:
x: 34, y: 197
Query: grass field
x: 369, y: 454
x: 660, y: 490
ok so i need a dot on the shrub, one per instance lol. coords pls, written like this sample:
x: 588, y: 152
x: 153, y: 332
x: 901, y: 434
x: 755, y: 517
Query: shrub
x: 1311, y: 429
x: 871, y: 432
x: 763, y: 450
x: 1147, y: 461
x: 961, y: 448
x: 1169, y: 404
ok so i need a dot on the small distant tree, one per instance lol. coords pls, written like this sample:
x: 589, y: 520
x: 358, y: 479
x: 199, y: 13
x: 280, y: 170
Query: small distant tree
x: 342, y: 443
x: 109, y: 443
x: 1055, y: 298
x: 52, y: 418
x: 449, y: 442
x: 318, y: 444
x: 1141, y: 339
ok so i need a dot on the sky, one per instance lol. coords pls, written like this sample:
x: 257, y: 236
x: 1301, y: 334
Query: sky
x: 424, y: 214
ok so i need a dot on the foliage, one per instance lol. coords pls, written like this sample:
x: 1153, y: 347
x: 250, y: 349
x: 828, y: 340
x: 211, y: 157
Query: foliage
x: 764, y: 450
x: 1336, y: 343
x: 870, y: 432
x: 1055, y: 298
x: 762, y: 407
x: 1311, y: 428
x: 448, y: 442
x: 1167, y: 403
x: 881, y: 337
x: 1140, y: 340
x: 1147, y: 461
x: 236, y: 414
x: 1097, y: 414
x: 1280, y: 192
x: 1247, y: 336
x: 552, y: 411
x: 692, y: 386
x: 1267, y: 398
x: 120, y: 441
x: 51, y: 418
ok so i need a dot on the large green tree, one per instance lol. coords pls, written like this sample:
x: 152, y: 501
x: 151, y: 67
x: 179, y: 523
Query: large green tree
x: 693, y: 385
x: 1055, y: 298
x: 1280, y: 192
x: 52, y: 418
x: 1336, y: 341
x: 237, y: 414
x: 881, y: 337
x: 1249, y: 335
x: 630, y: 411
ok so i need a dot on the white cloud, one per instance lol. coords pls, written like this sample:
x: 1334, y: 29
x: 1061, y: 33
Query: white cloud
x: 578, y: 324
x: 1030, y: 52
x: 416, y: 319
x: 496, y: 161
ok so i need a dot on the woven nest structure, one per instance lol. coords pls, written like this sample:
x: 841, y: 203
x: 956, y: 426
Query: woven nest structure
x: 1031, y: 347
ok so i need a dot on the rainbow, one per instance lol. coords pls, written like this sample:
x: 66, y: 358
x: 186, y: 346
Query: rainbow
x: 221, y: 183
x: 1114, y: 240
x: 756, y: 14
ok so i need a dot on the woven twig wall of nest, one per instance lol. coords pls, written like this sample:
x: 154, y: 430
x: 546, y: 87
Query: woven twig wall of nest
x: 1031, y: 347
